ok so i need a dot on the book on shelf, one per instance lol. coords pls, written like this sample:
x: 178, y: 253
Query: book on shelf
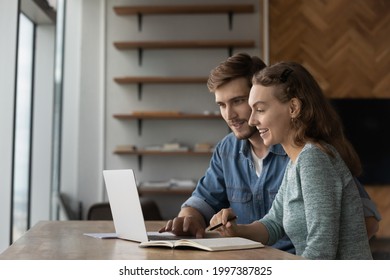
x: 174, y: 147
x: 203, y: 147
x: 180, y: 149
x: 154, y: 184
x: 207, y: 244
x: 168, y: 147
x: 152, y: 148
x: 171, y: 183
x: 182, y: 183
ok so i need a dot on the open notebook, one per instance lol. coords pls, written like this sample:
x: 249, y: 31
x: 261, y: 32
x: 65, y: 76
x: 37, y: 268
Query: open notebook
x: 207, y: 244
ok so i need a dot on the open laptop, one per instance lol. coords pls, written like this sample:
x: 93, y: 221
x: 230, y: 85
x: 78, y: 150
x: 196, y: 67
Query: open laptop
x: 126, y: 208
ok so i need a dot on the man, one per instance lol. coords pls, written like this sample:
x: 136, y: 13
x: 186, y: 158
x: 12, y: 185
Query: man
x: 244, y: 174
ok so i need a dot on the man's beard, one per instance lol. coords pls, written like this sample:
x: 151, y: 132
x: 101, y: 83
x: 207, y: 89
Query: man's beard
x: 251, y: 131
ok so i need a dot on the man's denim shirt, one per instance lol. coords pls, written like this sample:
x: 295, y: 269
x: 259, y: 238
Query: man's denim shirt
x: 231, y: 181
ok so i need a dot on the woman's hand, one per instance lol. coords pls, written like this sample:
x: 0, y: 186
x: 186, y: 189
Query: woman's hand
x: 226, y: 218
x: 255, y: 231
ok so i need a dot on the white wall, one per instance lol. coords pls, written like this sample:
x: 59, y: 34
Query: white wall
x: 91, y: 97
x: 82, y: 136
x: 91, y: 118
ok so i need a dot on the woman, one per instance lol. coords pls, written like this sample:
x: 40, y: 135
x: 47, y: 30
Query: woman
x: 318, y: 204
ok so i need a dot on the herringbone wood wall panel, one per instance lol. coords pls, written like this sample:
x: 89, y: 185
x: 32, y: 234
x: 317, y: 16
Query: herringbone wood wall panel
x: 345, y: 44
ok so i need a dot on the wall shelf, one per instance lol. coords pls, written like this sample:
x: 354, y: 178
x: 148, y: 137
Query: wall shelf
x: 127, y: 45
x: 208, y: 44
x: 164, y: 116
x: 164, y: 191
x: 161, y: 115
x: 184, y: 9
x: 158, y: 80
x: 141, y: 153
x: 162, y: 153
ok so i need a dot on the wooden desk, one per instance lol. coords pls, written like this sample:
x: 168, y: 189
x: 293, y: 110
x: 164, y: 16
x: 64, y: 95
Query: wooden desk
x: 64, y: 240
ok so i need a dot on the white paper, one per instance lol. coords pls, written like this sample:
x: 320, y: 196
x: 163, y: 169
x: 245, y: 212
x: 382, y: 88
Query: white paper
x: 106, y: 235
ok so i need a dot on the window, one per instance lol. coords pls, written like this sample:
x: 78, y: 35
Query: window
x: 23, y: 127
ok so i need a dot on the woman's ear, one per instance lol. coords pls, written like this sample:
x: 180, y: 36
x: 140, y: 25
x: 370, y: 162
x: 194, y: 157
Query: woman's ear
x: 295, y: 107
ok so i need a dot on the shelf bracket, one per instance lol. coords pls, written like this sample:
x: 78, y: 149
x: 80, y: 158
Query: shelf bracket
x: 230, y: 51
x: 139, y: 127
x: 140, y: 162
x: 139, y: 91
x: 230, y: 18
x: 140, y: 53
x: 139, y: 16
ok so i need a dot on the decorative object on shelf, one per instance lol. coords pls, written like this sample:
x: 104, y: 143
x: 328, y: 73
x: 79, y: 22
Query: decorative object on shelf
x: 168, y: 147
x: 177, y: 186
x: 171, y: 183
x: 174, y: 146
x: 203, y: 147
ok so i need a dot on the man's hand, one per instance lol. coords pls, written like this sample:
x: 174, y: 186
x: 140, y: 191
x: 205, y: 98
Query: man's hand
x: 188, y: 223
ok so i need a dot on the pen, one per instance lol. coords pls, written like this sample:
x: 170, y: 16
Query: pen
x: 220, y: 224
